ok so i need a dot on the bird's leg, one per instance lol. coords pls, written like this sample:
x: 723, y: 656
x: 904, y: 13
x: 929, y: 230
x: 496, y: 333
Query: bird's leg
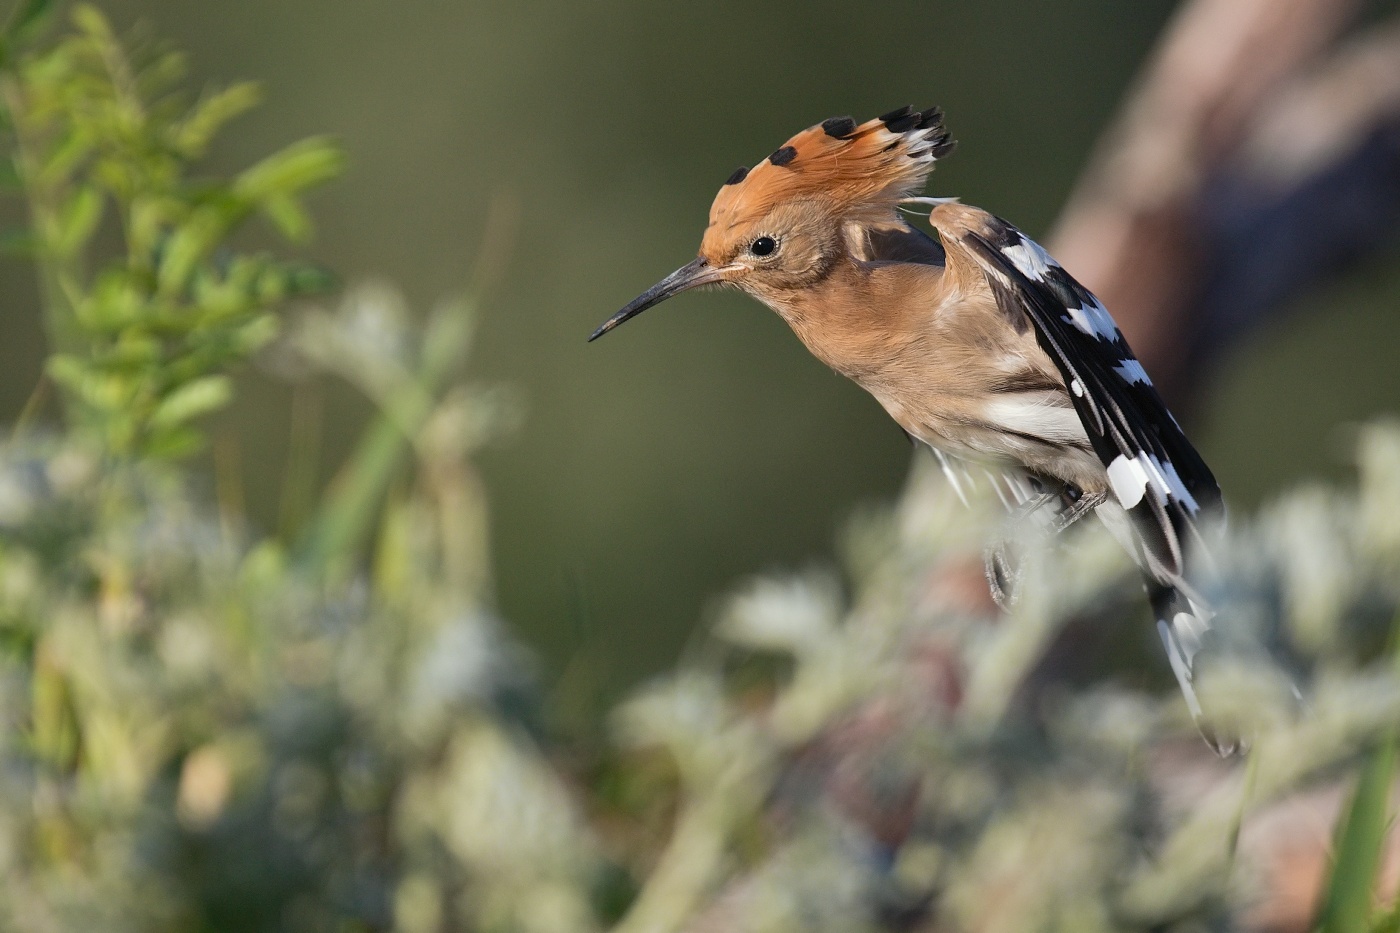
x: 1074, y: 505
x: 1003, y: 567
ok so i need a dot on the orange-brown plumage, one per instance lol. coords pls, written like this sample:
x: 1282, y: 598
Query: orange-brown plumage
x: 867, y: 169
x: 875, y: 299
x: 977, y: 343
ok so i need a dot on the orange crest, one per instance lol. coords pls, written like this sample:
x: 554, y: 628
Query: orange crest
x: 874, y: 163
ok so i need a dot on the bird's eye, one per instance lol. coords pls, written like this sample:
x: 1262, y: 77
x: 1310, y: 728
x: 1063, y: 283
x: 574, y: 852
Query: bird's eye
x: 763, y: 246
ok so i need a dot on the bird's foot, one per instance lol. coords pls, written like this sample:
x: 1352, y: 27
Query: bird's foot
x: 1002, y: 563
x: 1074, y: 505
x: 1003, y: 575
x: 1004, y: 566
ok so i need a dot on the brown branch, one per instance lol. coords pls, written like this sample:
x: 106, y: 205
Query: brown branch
x: 1127, y: 229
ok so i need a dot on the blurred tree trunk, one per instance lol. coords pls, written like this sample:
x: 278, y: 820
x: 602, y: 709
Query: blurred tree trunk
x: 1258, y: 153
x: 1242, y: 167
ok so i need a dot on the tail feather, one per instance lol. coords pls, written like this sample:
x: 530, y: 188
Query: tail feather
x: 1183, y: 622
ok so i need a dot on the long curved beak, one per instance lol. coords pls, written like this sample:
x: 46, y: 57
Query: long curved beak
x: 695, y: 273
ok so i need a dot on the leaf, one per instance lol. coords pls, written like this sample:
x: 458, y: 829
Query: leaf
x: 293, y: 169
x: 288, y: 217
x: 61, y: 161
x: 90, y: 20
x: 256, y: 334
x: 78, y: 220
x: 133, y: 351
x: 161, y: 72
x: 174, y: 444
x: 193, y: 135
x: 192, y: 400
x: 190, y: 244
x: 69, y: 372
x: 1347, y: 905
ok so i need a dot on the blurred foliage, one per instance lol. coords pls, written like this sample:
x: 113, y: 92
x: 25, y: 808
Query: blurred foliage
x: 207, y: 730
x: 144, y: 340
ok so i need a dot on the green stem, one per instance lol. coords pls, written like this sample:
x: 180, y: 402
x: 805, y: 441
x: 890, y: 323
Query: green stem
x: 1350, y: 893
x: 351, y: 504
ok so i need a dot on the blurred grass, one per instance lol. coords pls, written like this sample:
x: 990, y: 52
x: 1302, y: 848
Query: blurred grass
x: 1351, y: 892
x: 1349, y: 900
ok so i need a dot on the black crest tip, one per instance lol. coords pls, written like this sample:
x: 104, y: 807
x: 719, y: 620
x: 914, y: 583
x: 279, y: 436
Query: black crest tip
x: 930, y: 118
x: 839, y: 127
x: 939, y: 150
x: 739, y: 175
x: 906, y: 110
x: 783, y: 156
x: 904, y: 124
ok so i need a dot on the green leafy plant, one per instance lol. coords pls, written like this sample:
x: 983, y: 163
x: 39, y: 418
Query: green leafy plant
x: 145, y: 336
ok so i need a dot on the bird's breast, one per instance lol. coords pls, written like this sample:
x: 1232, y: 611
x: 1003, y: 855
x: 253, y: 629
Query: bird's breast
x: 947, y: 367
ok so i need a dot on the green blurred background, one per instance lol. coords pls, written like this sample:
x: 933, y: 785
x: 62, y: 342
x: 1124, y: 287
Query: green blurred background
x: 701, y: 443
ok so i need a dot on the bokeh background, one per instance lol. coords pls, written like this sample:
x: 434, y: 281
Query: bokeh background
x: 701, y: 443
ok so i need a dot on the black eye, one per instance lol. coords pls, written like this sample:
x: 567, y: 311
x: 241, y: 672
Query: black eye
x: 763, y: 246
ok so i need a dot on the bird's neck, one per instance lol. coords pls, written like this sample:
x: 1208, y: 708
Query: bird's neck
x: 859, y: 318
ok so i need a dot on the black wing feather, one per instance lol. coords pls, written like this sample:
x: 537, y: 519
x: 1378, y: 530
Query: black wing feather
x: 1154, y: 473
x: 1124, y: 416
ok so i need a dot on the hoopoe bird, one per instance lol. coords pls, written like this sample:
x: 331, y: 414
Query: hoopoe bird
x: 977, y: 343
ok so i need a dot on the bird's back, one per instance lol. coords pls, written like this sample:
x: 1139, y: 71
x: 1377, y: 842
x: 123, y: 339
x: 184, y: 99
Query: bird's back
x: 955, y: 370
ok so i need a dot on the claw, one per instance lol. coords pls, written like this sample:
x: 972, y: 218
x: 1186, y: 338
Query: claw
x: 1003, y: 575
x: 1002, y: 567
x: 1075, y: 507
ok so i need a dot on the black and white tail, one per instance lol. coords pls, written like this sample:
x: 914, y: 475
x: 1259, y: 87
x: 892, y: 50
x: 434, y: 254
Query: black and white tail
x: 1156, y: 478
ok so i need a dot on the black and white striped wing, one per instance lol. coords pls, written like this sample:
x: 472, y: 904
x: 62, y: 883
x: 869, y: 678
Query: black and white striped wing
x: 1153, y: 471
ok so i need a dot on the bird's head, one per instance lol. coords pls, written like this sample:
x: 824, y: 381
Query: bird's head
x: 782, y: 224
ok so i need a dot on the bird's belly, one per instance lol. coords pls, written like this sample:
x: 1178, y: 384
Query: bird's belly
x: 1051, y: 443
